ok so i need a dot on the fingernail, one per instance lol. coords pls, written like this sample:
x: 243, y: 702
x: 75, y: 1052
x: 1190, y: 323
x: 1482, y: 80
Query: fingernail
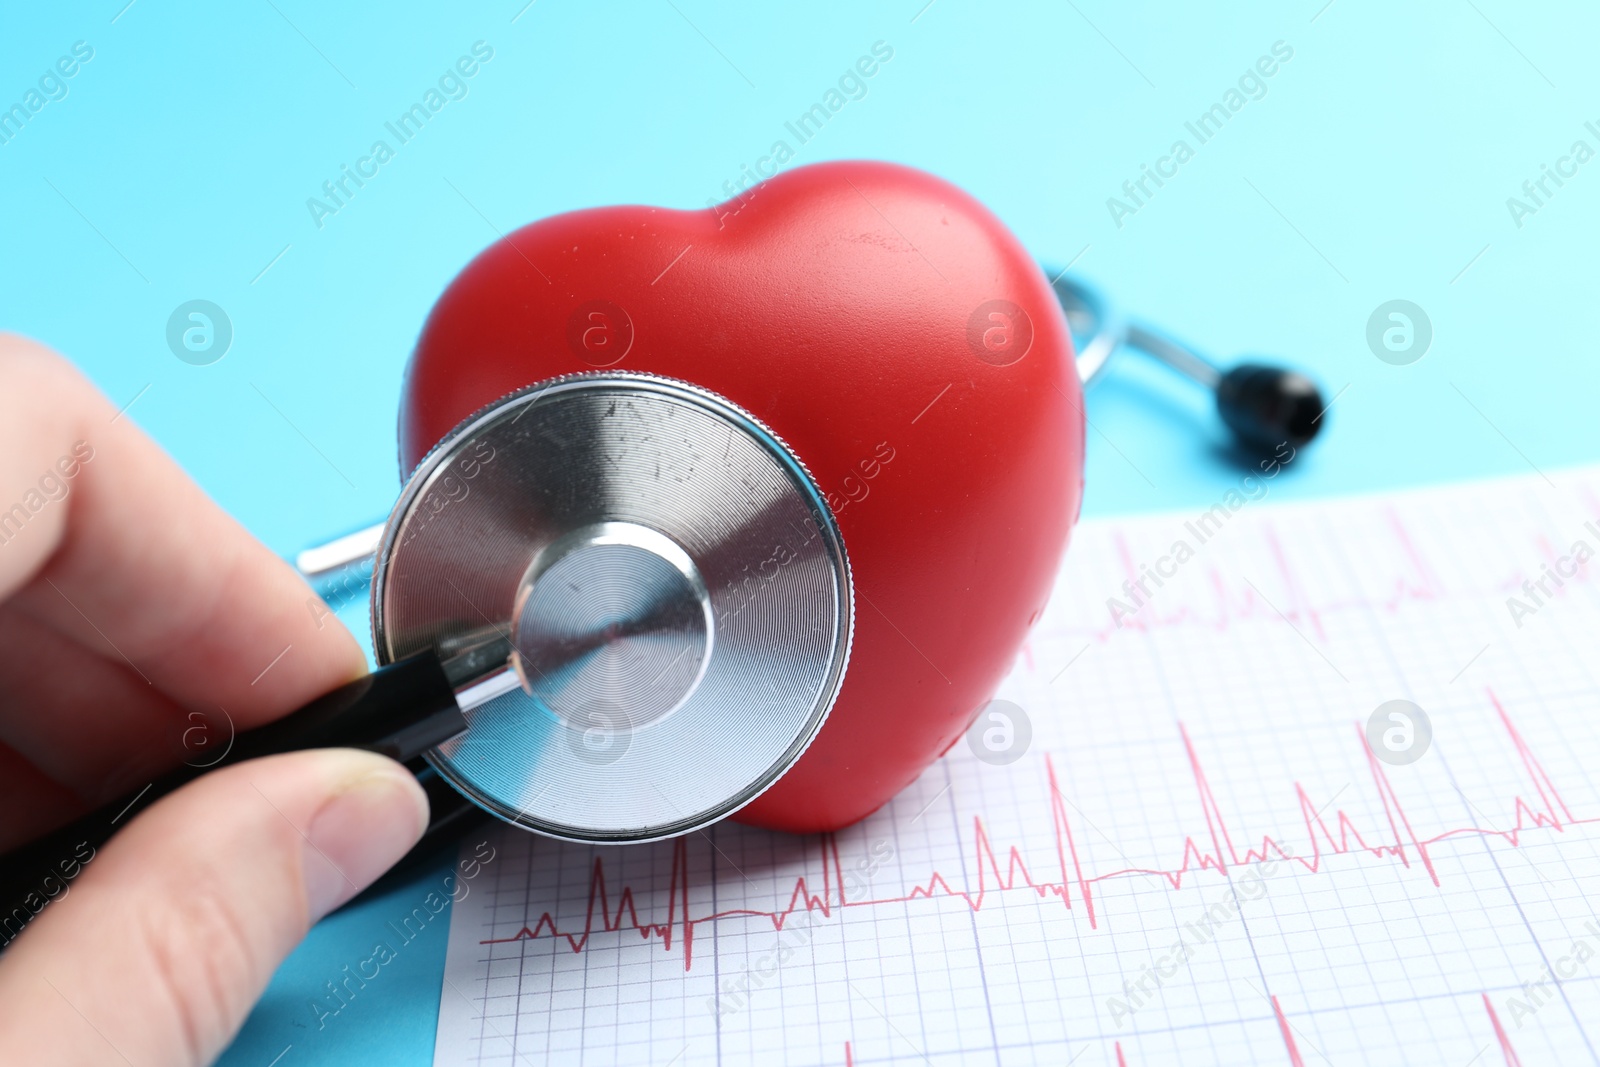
x: 359, y: 833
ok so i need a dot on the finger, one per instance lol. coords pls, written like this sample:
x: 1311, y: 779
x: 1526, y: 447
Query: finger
x: 105, y: 539
x: 54, y: 696
x: 31, y: 800
x: 170, y: 934
x: 54, y: 685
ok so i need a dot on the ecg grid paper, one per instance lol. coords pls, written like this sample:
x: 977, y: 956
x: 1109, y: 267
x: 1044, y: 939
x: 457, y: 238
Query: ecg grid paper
x: 1199, y: 857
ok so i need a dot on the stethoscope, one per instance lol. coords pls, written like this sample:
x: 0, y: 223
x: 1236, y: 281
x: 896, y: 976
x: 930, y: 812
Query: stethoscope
x: 1263, y: 405
x: 561, y: 772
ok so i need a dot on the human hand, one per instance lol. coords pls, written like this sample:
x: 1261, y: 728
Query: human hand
x: 128, y: 601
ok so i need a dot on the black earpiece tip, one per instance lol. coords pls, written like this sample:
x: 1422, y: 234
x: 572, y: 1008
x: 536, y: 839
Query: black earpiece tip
x: 1266, y: 406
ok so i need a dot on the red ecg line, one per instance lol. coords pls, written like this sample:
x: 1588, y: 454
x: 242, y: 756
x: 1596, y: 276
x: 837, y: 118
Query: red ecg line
x: 1288, y: 1035
x: 1512, y: 1060
x: 1214, y: 850
x: 1232, y: 605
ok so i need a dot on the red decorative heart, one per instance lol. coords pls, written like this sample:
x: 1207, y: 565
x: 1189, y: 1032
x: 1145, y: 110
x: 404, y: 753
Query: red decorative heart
x: 900, y: 340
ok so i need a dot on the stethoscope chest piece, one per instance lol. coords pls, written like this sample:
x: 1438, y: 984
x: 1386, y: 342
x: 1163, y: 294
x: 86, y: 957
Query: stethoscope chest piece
x: 657, y: 591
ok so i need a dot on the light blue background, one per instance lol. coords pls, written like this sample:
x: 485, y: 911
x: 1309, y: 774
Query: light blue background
x: 1376, y: 167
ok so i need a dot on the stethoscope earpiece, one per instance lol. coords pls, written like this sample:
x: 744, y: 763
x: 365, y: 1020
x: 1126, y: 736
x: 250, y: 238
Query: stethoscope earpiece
x: 1267, y: 407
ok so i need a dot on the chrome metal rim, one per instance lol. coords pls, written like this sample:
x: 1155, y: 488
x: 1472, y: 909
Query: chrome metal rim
x: 672, y: 581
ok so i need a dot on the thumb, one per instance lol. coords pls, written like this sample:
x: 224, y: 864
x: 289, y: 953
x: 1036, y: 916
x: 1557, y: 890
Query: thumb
x: 171, y: 932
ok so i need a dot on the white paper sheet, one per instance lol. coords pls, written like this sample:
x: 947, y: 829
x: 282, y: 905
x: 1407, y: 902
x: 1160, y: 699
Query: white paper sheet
x: 1198, y: 859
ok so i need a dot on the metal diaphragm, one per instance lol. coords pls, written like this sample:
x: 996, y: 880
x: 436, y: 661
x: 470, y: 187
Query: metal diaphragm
x: 670, y: 584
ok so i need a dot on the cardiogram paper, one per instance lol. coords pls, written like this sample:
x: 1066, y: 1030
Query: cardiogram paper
x: 1198, y: 858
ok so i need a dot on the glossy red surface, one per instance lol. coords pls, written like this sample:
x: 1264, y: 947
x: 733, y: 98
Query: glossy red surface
x: 906, y: 347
